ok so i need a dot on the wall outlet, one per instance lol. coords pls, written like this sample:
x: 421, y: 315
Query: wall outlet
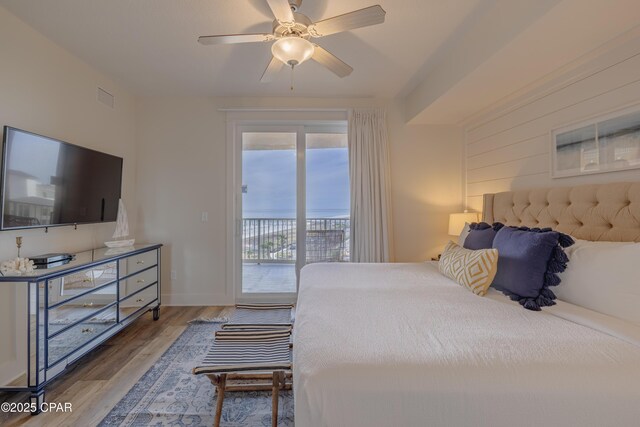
x: 174, y: 275
x: 205, y: 216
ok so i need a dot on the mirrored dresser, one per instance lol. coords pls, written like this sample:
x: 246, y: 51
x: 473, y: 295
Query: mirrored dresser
x: 52, y: 317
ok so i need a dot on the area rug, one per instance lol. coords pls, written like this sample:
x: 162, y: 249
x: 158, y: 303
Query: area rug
x: 168, y: 394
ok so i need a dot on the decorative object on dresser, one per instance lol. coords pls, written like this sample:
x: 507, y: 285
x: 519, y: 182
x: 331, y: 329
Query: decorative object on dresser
x: 122, y: 229
x: 17, y: 266
x: 51, y: 260
x: 61, y: 313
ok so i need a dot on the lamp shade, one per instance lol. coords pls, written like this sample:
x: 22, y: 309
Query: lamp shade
x: 457, y: 221
x: 292, y: 50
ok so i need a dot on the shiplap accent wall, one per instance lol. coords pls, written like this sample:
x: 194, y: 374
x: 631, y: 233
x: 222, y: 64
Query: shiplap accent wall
x: 510, y: 149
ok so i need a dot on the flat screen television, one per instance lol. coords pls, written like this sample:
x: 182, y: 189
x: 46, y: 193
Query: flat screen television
x: 48, y: 183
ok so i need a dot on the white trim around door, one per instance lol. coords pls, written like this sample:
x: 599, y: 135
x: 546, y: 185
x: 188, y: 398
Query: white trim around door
x: 235, y: 128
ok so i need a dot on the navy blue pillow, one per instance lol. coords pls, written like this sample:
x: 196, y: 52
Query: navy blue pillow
x: 528, y: 260
x: 481, y: 235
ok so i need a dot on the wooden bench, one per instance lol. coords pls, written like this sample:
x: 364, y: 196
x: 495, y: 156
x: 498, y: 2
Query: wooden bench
x: 249, y: 352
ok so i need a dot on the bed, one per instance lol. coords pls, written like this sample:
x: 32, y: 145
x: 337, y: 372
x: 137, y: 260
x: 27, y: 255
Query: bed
x: 402, y: 345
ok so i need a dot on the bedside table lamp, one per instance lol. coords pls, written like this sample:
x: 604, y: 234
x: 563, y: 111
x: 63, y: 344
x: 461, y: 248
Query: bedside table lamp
x: 456, y: 224
x: 457, y: 221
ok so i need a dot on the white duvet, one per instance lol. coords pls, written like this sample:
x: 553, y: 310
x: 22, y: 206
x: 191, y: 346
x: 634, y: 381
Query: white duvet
x: 401, y: 345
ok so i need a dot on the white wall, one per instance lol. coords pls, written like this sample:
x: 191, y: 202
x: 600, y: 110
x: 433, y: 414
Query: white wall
x: 46, y: 90
x: 510, y: 148
x: 426, y: 169
x: 182, y: 172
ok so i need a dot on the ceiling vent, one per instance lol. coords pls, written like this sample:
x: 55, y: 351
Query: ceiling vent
x: 105, y: 97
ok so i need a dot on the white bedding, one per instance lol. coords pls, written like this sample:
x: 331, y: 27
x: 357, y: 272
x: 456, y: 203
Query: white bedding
x: 401, y: 345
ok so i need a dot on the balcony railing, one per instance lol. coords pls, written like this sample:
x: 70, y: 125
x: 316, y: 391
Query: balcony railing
x: 273, y: 240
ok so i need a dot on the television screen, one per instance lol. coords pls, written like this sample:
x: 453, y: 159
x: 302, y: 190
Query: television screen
x: 46, y: 182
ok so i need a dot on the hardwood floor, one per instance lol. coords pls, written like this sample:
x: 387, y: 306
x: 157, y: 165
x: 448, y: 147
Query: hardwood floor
x: 96, y: 382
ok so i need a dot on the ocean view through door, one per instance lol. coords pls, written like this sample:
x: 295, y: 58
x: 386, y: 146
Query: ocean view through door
x: 295, y: 205
x: 327, y: 197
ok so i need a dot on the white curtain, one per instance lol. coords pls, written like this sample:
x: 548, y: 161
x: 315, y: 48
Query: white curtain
x: 370, y: 186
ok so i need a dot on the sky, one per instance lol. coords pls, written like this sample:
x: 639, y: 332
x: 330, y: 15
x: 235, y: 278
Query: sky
x: 270, y: 178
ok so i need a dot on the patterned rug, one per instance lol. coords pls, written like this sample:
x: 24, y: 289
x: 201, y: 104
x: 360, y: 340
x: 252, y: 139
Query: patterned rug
x: 168, y: 394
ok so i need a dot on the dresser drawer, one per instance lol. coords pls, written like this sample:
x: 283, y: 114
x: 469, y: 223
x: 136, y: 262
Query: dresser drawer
x: 86, y: 306
x: 139, y: 262
x: 137, y: 301
x: 134, y: 283
x: 65, y: 287
x: 75, y: 337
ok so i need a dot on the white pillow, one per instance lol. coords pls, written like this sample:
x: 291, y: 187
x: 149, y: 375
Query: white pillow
x: 463, y: 234
x: 604, y: 277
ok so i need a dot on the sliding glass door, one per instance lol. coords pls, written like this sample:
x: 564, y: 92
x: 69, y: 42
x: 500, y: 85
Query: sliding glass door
x: 269, y: 212
x: 293, y: 205
x: 327, y: 197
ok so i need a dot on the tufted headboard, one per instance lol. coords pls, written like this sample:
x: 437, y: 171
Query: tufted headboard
x: 605, y: 212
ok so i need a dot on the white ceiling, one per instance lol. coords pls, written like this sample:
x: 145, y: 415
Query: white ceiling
x: 560, y: 39
x: 150, y: 46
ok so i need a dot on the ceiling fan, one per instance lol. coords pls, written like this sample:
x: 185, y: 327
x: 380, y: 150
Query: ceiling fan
x: 291, y: 34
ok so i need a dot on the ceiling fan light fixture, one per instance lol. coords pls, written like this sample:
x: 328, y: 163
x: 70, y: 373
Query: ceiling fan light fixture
x: 292, y: 50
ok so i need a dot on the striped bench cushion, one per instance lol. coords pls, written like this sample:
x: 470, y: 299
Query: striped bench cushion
x: 281, y: 316
x: 251, y: 333
x: 257, y: 327
x: 264, y: 306
x: 242, y: 355
x: 261, y: 336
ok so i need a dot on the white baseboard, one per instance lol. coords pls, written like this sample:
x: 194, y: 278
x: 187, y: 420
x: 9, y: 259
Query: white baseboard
x: 197, y: 299
x: 11, y: 370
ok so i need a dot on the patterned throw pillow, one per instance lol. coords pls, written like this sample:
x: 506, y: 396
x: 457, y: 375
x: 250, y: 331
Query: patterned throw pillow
x: 474, y: 270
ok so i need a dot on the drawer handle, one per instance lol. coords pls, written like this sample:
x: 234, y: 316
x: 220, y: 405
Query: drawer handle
x: 140, y: 300
x: 88, y: 304
x: 87, y: 330
x: 139, y: 262
x: 140, y: 281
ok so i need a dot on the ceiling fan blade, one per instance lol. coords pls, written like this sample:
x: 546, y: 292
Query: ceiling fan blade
x: 372, y: 15
x: 234, y: 38
x: 272, y: 69
x: 281, y: 10
x: 324, y: 57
